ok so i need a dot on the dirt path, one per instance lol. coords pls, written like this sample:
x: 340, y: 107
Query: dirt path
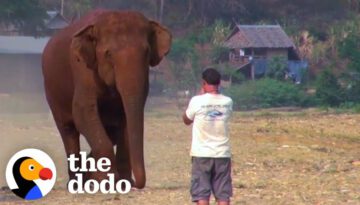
x: 303, y: 157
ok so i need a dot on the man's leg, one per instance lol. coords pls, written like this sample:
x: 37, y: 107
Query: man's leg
x: 202, y: 202
x: 201, y: 180
x: 223, y: 202
x: 221, y: 180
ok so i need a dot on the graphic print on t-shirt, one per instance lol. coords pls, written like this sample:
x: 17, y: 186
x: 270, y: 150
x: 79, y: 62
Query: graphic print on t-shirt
x: 215, y: 112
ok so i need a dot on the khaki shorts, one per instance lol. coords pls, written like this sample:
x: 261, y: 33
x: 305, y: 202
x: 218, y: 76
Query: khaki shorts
x: 211, y: 175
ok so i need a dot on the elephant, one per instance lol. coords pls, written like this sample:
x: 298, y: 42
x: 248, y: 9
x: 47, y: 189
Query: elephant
x: 96, y: 83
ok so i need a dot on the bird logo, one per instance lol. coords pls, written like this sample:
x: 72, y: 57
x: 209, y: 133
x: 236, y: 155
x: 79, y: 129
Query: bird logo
x: 214, y: 113
x: 30, y: 174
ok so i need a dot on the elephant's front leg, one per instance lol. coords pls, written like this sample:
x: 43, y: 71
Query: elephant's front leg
x: 87, y: 120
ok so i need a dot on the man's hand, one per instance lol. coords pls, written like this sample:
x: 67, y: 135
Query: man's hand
x: 186, y: 120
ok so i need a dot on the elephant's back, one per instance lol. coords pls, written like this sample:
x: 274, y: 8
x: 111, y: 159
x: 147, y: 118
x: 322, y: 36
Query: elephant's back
x: 56, y: 66
x: 58, y: 80
x: 56, y: 53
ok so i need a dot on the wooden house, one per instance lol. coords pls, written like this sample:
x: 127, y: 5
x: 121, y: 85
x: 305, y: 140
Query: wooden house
x: 252, y: 46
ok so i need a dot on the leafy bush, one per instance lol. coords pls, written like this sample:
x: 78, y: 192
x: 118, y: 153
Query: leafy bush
x: 353, y: 92
x: 277, y: 68
x: 328, y: 89
x: 266, y: 93
x: 353, y: 107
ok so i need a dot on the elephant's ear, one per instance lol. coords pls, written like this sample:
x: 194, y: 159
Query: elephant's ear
x: 83, y: 46
x: 160, y: 42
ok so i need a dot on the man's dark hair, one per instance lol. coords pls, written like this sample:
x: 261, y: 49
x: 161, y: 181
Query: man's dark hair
x: 211, y: 76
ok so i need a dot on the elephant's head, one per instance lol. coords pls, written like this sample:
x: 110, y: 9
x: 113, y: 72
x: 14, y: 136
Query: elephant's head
x: 120, y: 47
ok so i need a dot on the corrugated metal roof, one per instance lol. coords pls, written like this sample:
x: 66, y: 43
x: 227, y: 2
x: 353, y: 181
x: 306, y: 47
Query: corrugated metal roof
x: 52, y: 14
x: 22, y: 44
x: 57, y: 22
x: 258, y: 36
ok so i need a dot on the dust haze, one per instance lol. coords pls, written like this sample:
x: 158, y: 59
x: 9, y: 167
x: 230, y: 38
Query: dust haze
x: 25, y: 117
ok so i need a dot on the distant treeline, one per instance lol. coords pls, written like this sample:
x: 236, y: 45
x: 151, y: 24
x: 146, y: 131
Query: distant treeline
x: 325, y: 32
x: 181, y: 15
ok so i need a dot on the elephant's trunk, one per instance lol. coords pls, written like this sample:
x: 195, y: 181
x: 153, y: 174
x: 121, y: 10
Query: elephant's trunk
x: 132, y: 83
x: 134, y: 110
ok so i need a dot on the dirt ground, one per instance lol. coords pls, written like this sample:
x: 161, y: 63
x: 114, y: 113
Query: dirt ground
x: 279, y: 157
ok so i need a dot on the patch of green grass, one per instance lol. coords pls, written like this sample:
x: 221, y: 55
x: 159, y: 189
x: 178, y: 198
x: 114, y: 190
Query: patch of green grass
x: 272, y: 114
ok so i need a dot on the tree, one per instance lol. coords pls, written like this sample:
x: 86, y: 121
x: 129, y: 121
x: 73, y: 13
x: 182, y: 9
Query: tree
x: 150, y: 8
x: 220, y: 32
x: 26, y: 15
x: 350, y: 48
x: 78, y: 7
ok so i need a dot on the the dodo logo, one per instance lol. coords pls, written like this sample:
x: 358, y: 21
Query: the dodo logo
x: 31, y: 174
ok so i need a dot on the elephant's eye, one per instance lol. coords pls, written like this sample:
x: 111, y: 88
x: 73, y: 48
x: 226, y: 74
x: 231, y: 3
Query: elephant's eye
x: 107, y: 54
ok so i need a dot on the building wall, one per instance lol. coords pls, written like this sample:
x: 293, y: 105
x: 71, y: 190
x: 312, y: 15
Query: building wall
x: 20, y: 73
x: 274, y: 52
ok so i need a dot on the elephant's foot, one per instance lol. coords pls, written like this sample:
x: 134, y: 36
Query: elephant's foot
x: 100, y: 176
x: 127, y: 177
x: 75, y: 176
x: 125, y: 174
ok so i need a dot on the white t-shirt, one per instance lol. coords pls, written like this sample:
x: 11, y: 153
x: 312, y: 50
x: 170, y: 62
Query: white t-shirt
x: 210, y: 134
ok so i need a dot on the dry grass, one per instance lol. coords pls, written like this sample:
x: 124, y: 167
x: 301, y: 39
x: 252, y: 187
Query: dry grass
x: 299, y: 157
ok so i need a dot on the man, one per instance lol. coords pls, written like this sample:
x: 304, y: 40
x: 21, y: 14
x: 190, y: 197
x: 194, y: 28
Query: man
x: 210, y: 149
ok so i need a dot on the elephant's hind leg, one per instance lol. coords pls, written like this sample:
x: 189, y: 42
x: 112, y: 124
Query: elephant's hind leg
x: 70, y: 137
